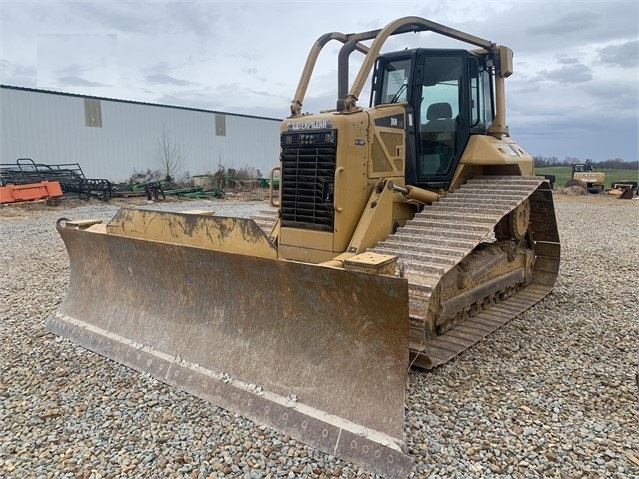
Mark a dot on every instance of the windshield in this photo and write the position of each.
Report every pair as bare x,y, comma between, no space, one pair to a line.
441,85
395,81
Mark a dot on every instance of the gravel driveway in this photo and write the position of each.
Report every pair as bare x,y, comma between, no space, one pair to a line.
551,394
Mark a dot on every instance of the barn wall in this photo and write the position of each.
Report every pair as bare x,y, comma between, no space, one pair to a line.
51,128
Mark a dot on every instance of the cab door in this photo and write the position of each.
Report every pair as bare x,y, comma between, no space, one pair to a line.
441,106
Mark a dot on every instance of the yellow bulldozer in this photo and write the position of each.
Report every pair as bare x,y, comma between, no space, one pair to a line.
402,233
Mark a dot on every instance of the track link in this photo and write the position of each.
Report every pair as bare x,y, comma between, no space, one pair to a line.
266,219
439,237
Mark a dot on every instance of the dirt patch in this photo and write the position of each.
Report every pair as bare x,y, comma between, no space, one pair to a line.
26,209
574,191
600,198
29,209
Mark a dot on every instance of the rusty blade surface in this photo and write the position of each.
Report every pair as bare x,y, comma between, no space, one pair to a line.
318,353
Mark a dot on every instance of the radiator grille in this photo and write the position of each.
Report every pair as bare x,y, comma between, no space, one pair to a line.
308,174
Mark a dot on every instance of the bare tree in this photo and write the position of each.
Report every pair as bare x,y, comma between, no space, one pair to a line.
169,153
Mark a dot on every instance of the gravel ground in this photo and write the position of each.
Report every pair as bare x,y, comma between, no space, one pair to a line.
551,394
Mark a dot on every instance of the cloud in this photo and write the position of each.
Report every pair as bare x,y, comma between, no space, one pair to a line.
248,56
566,25
71,80
564,60
77,59
162,79
265,93
625,55
117,16
615,99
572,73
72,69
18,74
200,18
161,67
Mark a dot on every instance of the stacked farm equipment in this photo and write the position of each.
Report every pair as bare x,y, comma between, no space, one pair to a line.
27,180
624,190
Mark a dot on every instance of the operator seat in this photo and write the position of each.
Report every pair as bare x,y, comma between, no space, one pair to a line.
437,140
440,117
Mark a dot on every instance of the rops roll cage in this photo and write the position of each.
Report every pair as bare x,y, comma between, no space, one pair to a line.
347,100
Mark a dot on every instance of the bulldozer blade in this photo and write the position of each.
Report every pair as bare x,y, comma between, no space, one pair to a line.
626,194
317,353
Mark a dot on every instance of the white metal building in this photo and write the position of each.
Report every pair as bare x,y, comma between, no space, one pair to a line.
112,139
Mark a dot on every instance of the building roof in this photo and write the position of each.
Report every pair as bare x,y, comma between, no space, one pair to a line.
76,95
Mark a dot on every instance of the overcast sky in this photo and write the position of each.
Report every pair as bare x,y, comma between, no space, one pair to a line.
574,91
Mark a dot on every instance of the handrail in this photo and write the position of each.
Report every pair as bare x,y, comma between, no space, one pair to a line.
337,208
270,187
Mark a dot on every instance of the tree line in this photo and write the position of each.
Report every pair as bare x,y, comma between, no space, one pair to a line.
617,163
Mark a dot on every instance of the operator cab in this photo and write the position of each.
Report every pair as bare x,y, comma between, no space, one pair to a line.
582,167
449,97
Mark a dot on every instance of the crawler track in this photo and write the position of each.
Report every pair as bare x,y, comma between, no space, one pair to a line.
439,237
266,219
